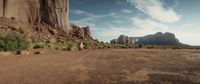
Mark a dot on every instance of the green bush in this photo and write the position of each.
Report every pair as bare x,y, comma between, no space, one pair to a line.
2,44
86,44
74,45
39,45
14,41
61,46
49,45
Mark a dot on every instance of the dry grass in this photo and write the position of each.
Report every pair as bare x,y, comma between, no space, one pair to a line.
114,66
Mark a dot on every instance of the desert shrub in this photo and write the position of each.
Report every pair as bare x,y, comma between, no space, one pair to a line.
49,45
119,46
96,40
150,47
140,46
74,45
61,46
14,42
124,47
86,44
2,44
39,45
176,47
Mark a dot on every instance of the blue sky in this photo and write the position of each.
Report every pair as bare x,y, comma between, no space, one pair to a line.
110,18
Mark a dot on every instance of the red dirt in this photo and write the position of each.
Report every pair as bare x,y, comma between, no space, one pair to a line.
114,66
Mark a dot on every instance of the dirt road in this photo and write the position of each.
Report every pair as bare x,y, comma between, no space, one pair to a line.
114,66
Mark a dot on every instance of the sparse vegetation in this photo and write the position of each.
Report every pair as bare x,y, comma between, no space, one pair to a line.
139,46
87,44
49,45
150,47
74,45
14,42
38,45
61,46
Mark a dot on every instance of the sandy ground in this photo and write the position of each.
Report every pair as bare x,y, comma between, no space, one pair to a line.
114,66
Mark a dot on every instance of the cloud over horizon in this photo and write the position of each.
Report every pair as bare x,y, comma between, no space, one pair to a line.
156,10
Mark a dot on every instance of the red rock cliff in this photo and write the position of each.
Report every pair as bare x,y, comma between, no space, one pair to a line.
52,12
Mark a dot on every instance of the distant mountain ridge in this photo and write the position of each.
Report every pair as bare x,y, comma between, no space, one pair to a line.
155,39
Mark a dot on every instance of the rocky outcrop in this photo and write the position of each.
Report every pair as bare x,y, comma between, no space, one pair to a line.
122,39
81,33
155,39
52,12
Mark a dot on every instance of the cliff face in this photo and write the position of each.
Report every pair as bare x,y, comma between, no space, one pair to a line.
52,12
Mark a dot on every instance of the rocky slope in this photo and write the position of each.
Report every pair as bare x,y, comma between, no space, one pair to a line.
40,20
43,32
52,12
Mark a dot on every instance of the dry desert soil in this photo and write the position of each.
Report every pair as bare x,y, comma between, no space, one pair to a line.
109,66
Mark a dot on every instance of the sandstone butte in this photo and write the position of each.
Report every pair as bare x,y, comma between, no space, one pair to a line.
52,12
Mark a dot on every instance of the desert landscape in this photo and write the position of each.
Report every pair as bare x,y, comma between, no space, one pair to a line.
99,42
107,66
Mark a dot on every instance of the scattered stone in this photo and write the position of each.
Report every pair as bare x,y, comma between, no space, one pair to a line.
39,52
73,49
18,52
5,53
25,52
81,46
22,52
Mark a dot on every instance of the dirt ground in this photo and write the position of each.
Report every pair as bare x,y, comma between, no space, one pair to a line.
109,66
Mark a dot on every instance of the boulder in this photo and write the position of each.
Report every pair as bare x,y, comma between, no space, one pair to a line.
23,52
73,49
81,46
39,52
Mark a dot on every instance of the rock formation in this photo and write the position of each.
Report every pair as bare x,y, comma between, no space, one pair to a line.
80,33
122,39
155,39
40,20
52,12
159,39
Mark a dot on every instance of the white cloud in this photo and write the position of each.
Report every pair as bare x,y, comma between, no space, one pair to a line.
156,10
149,24
91,18
186,26
81,13
126,11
